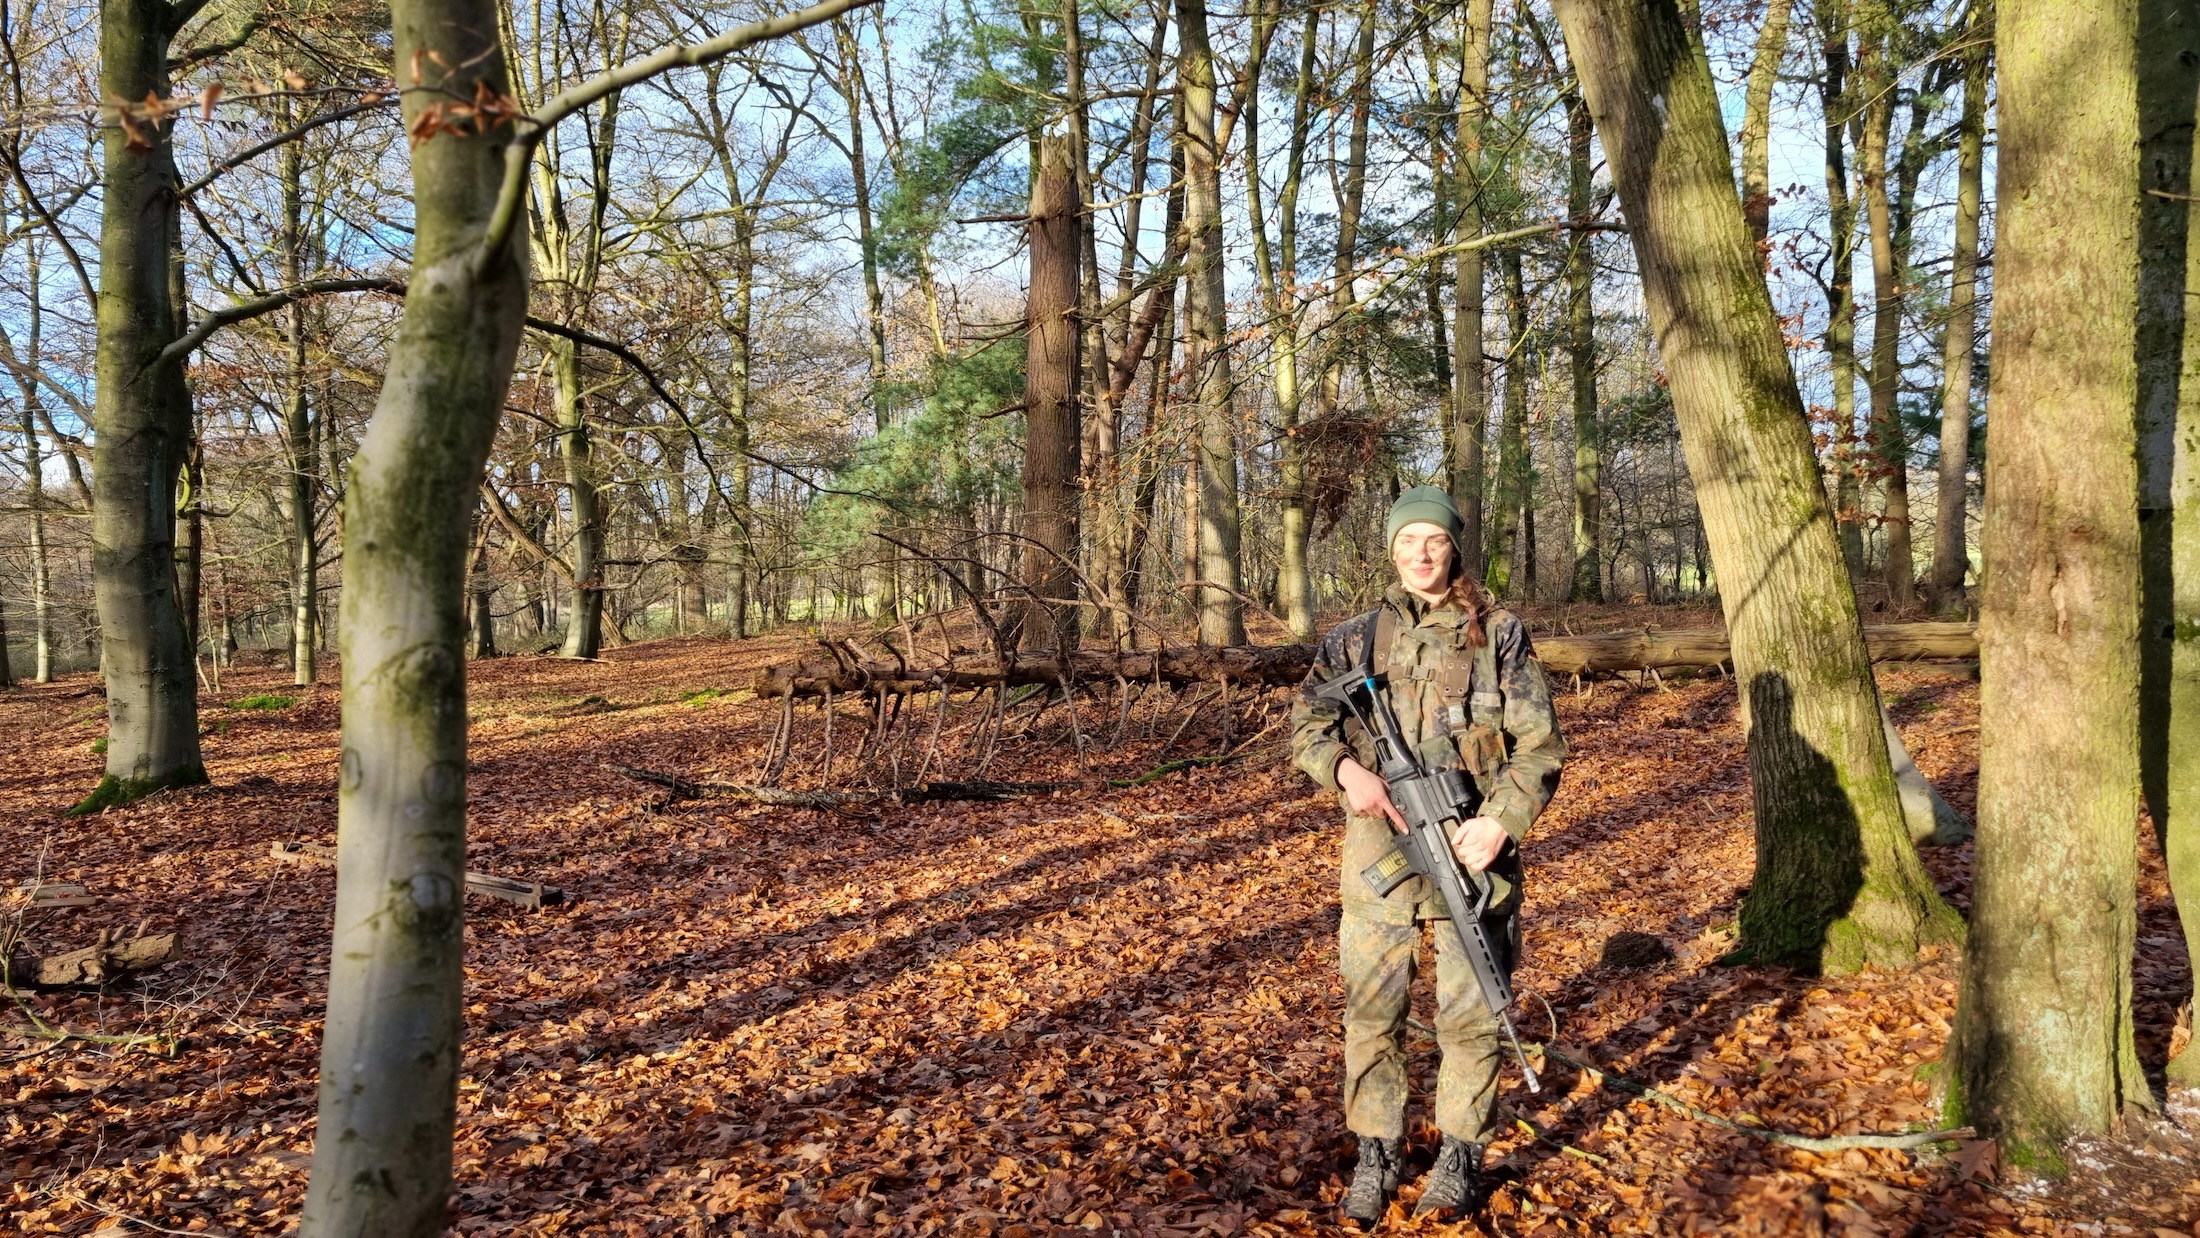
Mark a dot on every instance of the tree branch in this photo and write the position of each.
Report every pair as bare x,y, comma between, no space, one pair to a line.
257,149
187,343
512,196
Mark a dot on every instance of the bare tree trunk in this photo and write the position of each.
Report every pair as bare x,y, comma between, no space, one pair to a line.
1951,555
34,476
1470,396
1833,22
390,1052
1051,431
2169,462
740,316
143,431
1587,584
2043,1046
1278,271
1221,613
1764,73
1838,883
305,549
584,618
1890,444
1512,434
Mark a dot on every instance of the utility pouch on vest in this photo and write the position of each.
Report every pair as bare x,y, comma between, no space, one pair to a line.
1388,873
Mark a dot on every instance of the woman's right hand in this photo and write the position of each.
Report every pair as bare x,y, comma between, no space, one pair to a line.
1367,794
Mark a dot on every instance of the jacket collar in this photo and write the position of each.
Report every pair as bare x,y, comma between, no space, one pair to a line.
1417,612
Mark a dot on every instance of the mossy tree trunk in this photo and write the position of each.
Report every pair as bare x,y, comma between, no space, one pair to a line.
390,1052
141,419
1951,541
1587,582
2169,460
1052,433
1221,610
2042,1047
1838,882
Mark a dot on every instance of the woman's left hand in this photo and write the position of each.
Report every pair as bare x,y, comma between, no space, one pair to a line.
1478,841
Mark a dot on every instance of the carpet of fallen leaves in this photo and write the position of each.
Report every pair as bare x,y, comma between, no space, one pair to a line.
1102,1011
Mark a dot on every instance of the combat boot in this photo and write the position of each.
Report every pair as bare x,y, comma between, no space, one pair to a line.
1374,1181
1454,1184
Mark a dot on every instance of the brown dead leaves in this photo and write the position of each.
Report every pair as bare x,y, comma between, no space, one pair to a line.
1088,1013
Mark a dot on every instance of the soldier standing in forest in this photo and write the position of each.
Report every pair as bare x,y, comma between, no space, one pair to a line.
1469,694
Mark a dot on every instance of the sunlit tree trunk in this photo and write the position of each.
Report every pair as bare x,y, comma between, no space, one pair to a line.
142,426
1512,433
1221,612
1951,543
34,477
1838,884
2043,1045
1833,92
1587,584
1890,445
390,1051
2169,460
298,439
1277,271
1051,380
1756,136
1470,396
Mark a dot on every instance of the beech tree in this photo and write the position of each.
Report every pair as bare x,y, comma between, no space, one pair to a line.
1838,883
2043,1047
390,1052
143,420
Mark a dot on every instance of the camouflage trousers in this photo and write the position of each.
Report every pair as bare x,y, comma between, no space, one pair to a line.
1378,960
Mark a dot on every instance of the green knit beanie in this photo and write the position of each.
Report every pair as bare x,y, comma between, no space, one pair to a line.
1423,504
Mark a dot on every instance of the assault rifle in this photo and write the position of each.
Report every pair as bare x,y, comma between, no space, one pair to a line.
1433,803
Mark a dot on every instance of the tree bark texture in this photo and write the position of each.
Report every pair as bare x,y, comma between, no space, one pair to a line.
142,429
1470,395
2042,1047
1889,443
1834,93
2169,460
1756,136
1838,883
1951,540
390,1052
34,479
1221,612
1052,433
305,546
1587,583
1512,433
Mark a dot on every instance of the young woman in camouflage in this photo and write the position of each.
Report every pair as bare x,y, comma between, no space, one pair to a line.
1469,694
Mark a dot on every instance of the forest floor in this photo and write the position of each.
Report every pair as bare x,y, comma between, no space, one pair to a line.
1095,1011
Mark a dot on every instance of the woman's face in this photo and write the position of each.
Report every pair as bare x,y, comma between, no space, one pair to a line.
1422,553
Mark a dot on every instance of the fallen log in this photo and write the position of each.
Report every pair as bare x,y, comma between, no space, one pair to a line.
56,894
922,793
510,889
105,960
1275,666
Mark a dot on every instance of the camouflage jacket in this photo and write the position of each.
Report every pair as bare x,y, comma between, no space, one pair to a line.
1489,714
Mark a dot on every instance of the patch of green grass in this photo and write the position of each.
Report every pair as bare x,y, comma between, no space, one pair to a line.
704,696
99,746
264,700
